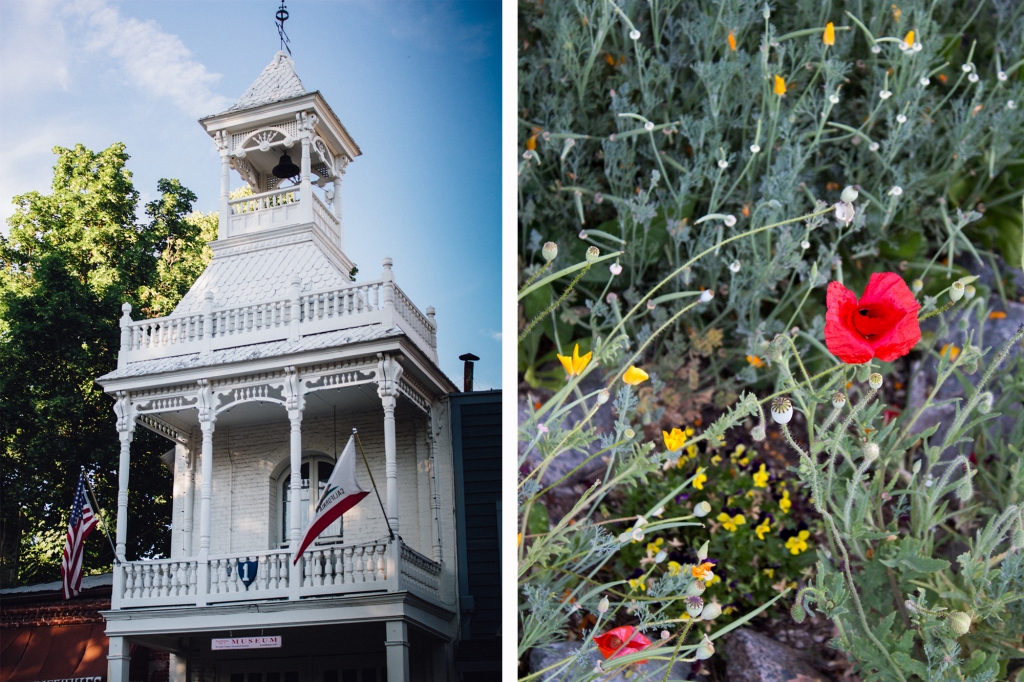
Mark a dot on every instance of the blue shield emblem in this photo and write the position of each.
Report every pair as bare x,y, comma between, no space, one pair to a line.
247,571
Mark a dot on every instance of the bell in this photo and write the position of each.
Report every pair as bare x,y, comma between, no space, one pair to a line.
285,168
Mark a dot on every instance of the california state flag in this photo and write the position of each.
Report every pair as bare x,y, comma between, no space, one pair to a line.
341,494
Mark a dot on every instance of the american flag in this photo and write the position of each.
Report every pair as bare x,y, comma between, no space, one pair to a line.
82,523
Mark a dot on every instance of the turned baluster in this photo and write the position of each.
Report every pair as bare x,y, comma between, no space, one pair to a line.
338,576
307,569
262,576
349,571
318,567
382,565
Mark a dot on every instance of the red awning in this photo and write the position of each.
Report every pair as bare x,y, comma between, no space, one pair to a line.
53,653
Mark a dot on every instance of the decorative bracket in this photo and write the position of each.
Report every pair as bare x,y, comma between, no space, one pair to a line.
389,372
294,391
205,404
126,412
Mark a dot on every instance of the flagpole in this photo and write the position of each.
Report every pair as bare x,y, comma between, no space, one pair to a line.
372,482
96,501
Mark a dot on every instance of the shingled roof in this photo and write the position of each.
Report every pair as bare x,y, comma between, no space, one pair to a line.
277,82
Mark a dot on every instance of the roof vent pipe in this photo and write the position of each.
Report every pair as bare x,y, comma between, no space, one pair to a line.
467,373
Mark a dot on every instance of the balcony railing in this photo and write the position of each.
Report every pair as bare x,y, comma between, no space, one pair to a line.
278,208
255,576
291,318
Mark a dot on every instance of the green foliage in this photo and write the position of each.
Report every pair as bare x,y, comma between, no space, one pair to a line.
71,258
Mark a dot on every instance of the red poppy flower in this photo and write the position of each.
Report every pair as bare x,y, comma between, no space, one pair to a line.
882,324
611,643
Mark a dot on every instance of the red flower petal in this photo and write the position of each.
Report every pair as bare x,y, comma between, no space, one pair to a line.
882,324
841,336
610,644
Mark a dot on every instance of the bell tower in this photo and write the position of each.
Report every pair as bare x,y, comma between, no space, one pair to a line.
273,125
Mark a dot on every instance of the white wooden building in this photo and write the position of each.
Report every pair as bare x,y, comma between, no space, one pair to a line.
258,378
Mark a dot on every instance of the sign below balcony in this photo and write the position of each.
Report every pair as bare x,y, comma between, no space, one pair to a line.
229,643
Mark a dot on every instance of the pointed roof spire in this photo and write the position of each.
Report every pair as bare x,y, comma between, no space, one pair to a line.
277,82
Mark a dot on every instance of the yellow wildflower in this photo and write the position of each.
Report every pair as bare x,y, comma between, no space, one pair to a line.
744,461
761,478
531,142
634,375
954,352
830,34
909,40
655,547
713,580
675,440
762,528
896,13
702,571
640,582
700,480
716,459
731,523
798,543
691,451
576,364
728,609
732,41
674,567
780,86
770,572
785,503
755,361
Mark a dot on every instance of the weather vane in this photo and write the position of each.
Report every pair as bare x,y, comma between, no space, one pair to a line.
282,16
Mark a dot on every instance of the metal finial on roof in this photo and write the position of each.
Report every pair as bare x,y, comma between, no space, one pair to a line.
282,16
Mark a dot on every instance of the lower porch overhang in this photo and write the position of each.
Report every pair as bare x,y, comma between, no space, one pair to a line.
162,627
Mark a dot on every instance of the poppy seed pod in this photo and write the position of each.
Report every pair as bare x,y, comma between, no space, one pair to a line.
593,253
696,588
694,605
706,295
602,606
871,452
706,649
838,399
959,622
849,194
701,509
549,251
969,291
711,611
956,291
602,396
782,410
875,380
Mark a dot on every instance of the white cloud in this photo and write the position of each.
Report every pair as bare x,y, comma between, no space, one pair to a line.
436,27
156,62
54,38
28,164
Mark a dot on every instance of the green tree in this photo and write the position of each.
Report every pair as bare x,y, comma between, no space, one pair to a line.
71,258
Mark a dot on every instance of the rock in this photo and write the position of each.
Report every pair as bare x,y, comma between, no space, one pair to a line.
559,651
753,657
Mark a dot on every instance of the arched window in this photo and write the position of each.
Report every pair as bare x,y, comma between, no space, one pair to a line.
316,470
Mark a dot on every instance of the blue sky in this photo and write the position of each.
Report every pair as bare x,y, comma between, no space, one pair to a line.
416,83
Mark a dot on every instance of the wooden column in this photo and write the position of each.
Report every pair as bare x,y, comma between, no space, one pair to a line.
397,645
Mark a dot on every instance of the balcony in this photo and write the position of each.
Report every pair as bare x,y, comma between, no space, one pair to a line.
300,314
331,570
279,208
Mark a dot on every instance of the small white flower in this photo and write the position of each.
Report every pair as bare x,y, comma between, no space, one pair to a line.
664,634
896,191
885,94
905,47
543,428
925,81
755,148
1010,104
612,297
706,295
723,164
873,146
1001,75
528,154
729,220
876,49
634,34
649,126
929,482
615,268
834,99
900,118
598,669
584,234
651,305
735,266
805,245
918,47
844,212
637,534
974,78
659,511
966,68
